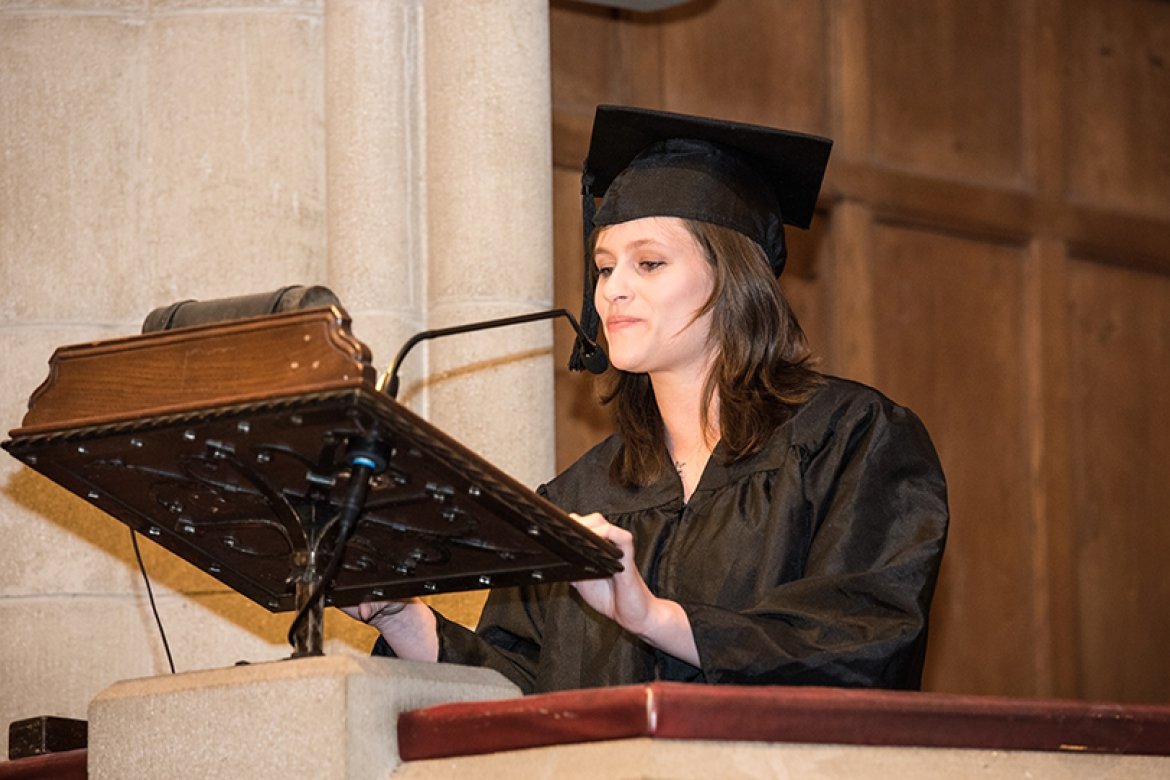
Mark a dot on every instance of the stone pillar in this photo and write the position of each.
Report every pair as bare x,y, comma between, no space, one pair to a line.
438,137
151,152
375,168
396,151
438,131
489,227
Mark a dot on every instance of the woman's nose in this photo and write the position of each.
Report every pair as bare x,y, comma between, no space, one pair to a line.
614,287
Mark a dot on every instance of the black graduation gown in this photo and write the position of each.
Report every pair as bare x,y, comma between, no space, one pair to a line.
812,562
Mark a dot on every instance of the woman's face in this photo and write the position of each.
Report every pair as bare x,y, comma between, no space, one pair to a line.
652,280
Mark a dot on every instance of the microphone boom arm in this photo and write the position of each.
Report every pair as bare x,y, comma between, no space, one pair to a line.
388,381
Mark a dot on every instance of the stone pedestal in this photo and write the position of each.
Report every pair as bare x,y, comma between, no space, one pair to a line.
324,717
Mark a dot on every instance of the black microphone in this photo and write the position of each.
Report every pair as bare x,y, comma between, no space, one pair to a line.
591,354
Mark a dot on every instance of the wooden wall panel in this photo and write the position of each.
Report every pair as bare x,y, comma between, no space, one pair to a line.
581,420
586,62
948,325
945,86
751,60
677,60
598,55
980,146
1117,95
1119,427
803,281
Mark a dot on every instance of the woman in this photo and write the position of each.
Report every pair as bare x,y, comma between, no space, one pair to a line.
777,526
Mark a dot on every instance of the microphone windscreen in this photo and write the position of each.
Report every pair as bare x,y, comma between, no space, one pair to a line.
594,359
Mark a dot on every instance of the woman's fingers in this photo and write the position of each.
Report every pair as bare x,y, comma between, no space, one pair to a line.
597,523
594,521
368,610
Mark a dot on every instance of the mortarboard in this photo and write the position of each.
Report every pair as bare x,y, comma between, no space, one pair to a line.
749,178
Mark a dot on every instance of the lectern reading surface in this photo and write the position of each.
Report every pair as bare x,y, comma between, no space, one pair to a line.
231,445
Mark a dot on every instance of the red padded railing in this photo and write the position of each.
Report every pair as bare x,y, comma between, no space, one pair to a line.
783,714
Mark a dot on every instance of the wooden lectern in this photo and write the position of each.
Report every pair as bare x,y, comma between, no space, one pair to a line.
251,448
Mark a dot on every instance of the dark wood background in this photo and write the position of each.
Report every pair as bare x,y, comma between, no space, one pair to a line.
992,249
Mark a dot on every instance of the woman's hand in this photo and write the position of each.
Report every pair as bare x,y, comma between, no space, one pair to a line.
369,611
407,626
625,598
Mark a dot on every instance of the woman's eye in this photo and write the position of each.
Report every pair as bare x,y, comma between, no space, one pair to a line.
606,271
650,265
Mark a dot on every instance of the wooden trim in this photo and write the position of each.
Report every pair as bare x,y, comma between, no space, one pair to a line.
850,106
1015,215
1045,358
69,765
782,714
1002,214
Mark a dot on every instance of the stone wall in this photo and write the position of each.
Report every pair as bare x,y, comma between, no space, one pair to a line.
159,150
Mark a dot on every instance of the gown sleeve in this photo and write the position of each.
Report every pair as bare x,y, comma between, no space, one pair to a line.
873,499
508,638
513,651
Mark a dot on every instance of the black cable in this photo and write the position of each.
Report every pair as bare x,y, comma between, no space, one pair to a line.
150,594
351,507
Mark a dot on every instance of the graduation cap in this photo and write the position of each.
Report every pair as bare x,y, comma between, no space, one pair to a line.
749,178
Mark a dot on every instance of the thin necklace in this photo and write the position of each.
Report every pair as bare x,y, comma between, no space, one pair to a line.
679,465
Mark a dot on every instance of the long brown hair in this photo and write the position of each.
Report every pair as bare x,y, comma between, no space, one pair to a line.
761,370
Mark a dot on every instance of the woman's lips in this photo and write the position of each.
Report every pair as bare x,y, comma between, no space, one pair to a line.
617,323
